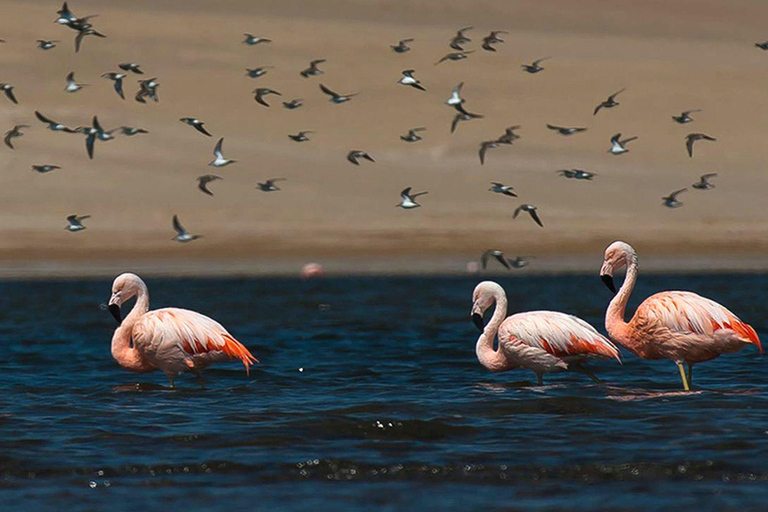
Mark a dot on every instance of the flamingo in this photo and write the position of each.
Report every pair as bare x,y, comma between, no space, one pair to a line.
542,341
171,340
681,326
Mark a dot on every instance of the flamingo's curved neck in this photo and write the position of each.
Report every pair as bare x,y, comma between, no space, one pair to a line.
614,316
493,360
122,350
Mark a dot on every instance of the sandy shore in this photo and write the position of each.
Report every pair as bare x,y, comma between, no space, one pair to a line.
670,57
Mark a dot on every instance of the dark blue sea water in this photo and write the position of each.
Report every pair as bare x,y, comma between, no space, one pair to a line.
391,411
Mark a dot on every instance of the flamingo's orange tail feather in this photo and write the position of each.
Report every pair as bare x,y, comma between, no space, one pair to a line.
749,333
237,350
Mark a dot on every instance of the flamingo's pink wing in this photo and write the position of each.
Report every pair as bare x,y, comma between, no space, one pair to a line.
195,334
559,334
687,312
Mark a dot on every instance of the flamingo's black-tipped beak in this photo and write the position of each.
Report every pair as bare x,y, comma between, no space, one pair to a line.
477,319
115,310
608,282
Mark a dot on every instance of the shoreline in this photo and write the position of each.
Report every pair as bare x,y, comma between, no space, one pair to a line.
453,266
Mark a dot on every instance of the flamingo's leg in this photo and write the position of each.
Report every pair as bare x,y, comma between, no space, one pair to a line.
591,375
540,380
586,370
200,380
690,374
170,379
686,386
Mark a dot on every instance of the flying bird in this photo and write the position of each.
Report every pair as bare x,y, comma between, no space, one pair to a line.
130,131
336,97
269,185
518,262
409,79
196,124
541,341
204,180
132,67
454,56
76,222
72,85
182,235
485,146
500,188
171,340
534,67
455,98
93,133
293,104
509,264
460,39
101,133
118,79
682,326
703,183
301,136
14,133
531,210
617,145
87,31
312,70
8,90
671,201
42,169
685,117
408,200
509,135
45,44
577,174
491,39
147,89
257,72
67,17
413,135
353,156
261,93
252,40
565,130
463,115
402,46
220,161
691,138
53,125
497,255
610,102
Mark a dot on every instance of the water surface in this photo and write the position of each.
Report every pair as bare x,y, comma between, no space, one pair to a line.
369,397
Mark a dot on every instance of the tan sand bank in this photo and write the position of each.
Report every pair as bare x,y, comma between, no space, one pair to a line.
670,56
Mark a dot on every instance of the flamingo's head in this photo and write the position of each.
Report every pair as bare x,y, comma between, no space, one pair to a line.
125,287
617,256
483,298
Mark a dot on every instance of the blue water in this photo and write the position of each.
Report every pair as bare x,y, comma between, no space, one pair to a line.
391,411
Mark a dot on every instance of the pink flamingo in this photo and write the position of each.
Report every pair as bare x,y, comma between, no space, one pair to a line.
170,339
542,341
681,326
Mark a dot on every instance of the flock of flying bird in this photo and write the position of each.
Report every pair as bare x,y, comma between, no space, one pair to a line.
681,326
148,90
